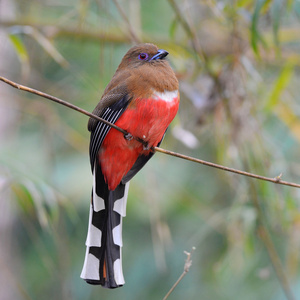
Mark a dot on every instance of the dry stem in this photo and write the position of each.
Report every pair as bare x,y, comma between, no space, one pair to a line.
276,180
187,265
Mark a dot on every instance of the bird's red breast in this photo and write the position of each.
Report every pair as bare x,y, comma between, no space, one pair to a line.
146,118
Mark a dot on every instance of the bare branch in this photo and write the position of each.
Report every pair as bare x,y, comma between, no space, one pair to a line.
187,265
60,101
133,35
232,170
276,180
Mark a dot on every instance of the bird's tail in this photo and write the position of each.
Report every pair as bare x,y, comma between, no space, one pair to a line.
103,259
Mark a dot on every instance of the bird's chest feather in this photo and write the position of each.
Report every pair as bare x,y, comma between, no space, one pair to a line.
147,119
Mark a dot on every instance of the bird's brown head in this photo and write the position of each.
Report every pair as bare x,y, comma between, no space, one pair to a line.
142,70
143,54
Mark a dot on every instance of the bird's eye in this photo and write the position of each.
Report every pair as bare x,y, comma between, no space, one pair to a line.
143,56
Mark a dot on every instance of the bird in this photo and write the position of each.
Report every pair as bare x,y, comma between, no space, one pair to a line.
142,98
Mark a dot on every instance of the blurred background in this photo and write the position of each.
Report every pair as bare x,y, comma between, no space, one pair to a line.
238,65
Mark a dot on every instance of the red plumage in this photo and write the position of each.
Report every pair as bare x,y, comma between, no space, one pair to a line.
142,98
148,119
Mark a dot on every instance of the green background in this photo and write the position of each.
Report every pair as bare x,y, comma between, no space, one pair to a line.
238,67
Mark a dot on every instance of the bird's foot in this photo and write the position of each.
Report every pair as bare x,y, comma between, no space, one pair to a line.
128,136
146,147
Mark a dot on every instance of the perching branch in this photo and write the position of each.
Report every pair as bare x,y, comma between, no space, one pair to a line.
277,179
187,265
60,101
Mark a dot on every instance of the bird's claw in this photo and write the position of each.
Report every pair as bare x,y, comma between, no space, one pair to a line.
128,136
146,147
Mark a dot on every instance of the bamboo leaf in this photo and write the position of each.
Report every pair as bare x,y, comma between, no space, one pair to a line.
255,35
49,47
19,48
23,197
173,28
276,17
281,84
244,3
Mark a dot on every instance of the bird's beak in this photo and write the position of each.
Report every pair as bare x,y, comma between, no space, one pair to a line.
160,54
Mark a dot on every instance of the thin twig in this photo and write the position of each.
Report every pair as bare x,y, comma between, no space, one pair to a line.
210,164
189,30
60,101
196,45
133,34
276,180
187,265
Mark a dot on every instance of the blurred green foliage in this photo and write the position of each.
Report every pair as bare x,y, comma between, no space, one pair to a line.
238,66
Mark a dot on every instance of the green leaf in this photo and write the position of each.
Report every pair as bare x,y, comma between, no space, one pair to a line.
276,17
20,48
173,28
243,3
261,5
23,197
49,47
281,83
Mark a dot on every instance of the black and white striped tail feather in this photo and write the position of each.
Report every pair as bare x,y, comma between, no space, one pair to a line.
104,239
